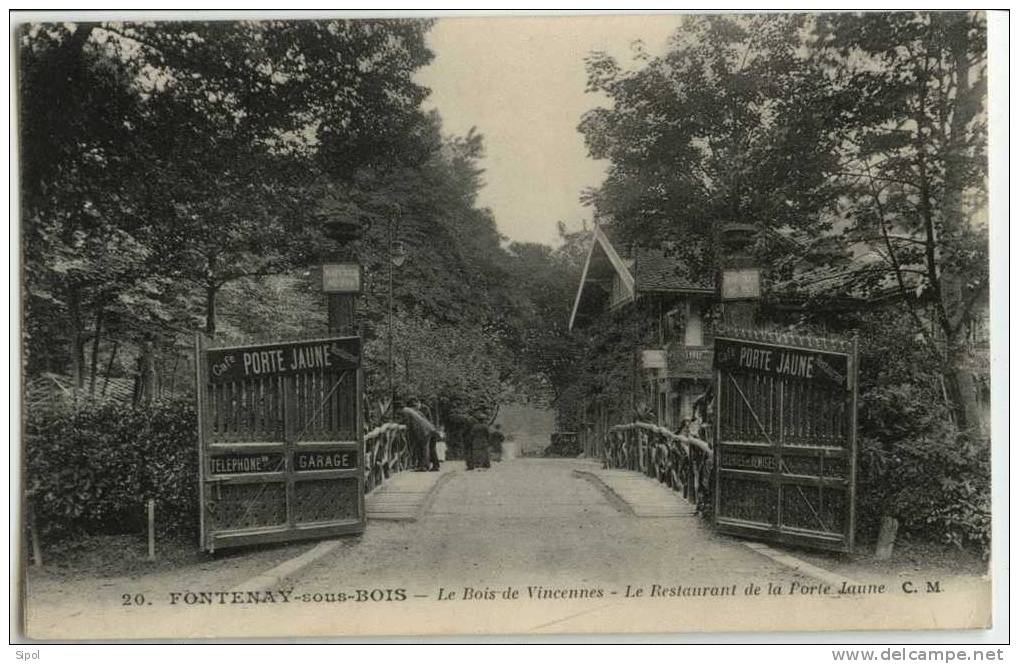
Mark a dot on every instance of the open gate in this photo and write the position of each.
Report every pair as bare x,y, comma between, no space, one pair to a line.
280,441
786,438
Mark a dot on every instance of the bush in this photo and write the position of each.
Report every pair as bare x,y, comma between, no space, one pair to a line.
92,469
914,464
937,486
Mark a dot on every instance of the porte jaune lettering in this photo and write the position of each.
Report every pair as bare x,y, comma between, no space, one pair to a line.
227,365
828,368
262,362
797,365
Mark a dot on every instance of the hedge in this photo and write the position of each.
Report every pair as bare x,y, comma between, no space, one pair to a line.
92,469
937,485
913,463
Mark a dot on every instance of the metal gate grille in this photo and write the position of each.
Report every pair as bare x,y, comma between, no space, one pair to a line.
280,443
786,421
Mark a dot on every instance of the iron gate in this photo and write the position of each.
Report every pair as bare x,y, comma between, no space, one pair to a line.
786,438
280,445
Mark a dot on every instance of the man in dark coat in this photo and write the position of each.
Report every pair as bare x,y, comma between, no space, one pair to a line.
476,446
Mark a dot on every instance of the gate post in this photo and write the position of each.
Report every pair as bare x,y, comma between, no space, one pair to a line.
201,380
342,283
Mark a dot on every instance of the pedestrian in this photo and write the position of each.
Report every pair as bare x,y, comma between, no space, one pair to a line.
477,446
433,454
702,409
458,436
496,438
422,436
696,425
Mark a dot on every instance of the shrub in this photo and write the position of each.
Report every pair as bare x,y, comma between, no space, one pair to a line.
937,486
92,469
914,464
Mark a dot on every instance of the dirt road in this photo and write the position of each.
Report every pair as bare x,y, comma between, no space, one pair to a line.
526,547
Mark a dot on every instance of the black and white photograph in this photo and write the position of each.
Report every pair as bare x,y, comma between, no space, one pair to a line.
459,325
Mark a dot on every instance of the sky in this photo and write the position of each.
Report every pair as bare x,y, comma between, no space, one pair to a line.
521,82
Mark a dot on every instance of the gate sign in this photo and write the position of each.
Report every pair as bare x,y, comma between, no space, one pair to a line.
226,464
785,432
228,365
823,368
280,446
341,278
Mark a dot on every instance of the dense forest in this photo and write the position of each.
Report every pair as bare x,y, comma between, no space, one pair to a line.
183,177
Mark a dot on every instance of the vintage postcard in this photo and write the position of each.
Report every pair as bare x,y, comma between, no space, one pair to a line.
374,326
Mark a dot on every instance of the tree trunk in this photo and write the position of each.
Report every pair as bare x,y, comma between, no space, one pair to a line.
109,367
210,310
955,294
963,388
77,338
95,352
145,380
173,373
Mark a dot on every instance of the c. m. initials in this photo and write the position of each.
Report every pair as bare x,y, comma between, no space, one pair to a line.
911,588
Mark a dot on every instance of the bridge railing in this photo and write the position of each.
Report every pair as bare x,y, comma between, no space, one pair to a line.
681,462
386,451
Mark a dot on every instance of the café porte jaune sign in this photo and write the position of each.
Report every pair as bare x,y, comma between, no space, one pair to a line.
233,364
816,366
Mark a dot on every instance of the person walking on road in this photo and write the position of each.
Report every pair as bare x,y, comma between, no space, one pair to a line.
476,446
495,440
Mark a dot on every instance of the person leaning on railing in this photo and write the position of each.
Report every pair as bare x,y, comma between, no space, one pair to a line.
423,437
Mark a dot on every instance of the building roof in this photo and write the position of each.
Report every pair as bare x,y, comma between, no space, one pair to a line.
867,277
657,271
640,270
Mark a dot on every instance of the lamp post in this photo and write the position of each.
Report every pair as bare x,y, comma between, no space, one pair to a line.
397,255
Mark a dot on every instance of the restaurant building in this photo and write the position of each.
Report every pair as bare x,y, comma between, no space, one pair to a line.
671,310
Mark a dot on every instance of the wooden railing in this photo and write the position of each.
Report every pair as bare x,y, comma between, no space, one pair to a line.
682,462
386,451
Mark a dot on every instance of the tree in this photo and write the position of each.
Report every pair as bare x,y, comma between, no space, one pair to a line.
263,111
86,197
915,164
731,125
204,167
157,153
546,279
844,132
455,276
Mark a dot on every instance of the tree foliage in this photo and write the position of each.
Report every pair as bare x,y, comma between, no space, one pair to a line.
838,136
183,176
914,155
730,125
